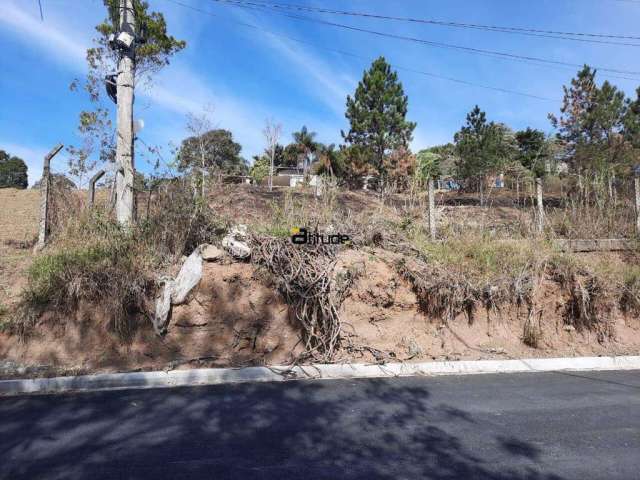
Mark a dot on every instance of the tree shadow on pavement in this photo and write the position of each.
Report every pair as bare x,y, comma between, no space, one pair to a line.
365,429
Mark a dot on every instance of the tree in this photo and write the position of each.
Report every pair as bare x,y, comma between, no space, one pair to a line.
448,158
356,161
572,124
533,150
272,132
331,161
631,125
591,124
260,168
306,146
377,114
483,148
399,167
13,172
209,151
427,165
290,156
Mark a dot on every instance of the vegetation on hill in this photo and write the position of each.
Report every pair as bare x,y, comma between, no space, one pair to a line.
13,171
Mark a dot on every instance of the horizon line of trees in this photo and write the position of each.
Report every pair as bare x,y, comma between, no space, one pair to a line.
597,135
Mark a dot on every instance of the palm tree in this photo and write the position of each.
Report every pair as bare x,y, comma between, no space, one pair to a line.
328,159
305,140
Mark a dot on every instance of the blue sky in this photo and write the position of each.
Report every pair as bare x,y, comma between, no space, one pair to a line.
248,75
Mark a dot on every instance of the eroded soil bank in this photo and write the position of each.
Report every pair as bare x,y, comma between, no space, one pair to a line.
237,317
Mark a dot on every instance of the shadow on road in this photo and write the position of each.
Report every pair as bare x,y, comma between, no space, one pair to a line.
377,429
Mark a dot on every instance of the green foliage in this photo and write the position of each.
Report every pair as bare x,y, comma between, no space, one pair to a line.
377,114
306,146
631,121
428,165
260,169
158,46
330,161
356,161
598,125
483,147
96,125
13,171
482,259
215,150
533,150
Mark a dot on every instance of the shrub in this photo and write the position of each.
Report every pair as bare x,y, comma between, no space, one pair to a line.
107,272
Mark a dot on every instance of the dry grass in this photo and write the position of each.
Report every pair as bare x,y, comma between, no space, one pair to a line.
90,258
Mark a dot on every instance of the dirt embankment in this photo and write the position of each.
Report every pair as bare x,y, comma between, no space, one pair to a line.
236,317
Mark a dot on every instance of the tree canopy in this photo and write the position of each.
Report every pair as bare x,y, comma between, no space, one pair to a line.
13,171
597,125
377,114
483,147
533,150
154,48
427,165
213,150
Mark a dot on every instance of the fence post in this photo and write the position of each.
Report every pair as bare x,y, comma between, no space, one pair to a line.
540,205
92,187
636,183
45,184
432,209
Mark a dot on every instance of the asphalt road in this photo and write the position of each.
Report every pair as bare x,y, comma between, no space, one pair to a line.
519,426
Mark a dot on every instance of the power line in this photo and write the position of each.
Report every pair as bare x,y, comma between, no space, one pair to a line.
561,35
362,57
244,4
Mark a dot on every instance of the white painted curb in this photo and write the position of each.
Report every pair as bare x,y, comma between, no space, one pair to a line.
216,376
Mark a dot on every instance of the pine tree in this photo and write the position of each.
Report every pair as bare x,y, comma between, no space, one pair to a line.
377,114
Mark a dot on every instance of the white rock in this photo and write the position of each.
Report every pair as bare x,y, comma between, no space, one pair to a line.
211,253
175,291
237,248
235,243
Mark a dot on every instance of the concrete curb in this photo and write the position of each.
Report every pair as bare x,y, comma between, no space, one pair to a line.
217,376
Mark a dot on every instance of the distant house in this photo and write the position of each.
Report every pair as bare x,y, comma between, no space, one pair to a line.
292,177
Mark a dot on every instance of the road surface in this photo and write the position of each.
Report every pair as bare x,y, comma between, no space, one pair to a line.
517,426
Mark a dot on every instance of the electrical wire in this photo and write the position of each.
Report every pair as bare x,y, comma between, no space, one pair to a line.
561,35
362,57
472,50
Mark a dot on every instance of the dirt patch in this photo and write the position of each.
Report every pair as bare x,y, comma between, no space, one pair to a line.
234,318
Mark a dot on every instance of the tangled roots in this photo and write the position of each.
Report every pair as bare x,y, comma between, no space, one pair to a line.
304,275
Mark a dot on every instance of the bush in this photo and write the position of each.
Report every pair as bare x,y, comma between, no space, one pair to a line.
108,272
95,260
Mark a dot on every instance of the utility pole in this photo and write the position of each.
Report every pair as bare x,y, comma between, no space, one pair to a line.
432,209
125,43
540,223
636,185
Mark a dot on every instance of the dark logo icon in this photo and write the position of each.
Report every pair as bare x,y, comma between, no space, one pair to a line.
301,236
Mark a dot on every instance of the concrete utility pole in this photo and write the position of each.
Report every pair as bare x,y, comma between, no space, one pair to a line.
432,209
45,184
540,205
91,195
636,185
125,97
